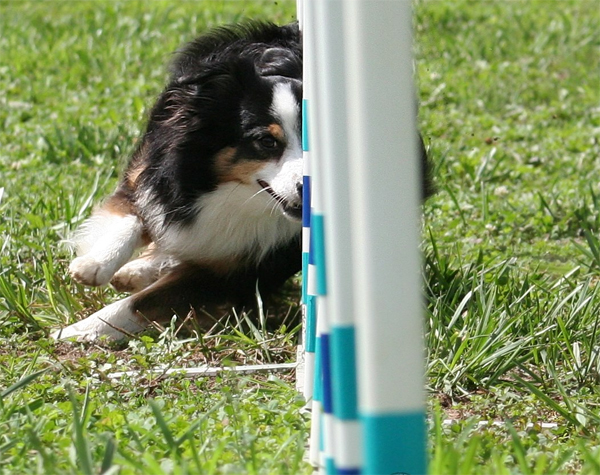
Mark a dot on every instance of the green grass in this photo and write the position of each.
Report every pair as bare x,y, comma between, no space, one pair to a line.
510,95
510,108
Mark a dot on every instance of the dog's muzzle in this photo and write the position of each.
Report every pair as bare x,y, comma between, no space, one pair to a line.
292,210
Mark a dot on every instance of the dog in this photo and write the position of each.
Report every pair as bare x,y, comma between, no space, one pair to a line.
213,191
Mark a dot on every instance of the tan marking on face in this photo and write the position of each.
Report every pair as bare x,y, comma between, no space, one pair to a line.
242,171
276,131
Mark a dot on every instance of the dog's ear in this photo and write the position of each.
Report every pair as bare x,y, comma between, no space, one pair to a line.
280,62
189,100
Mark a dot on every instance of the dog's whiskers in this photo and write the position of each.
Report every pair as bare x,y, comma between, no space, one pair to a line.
262,190
274,203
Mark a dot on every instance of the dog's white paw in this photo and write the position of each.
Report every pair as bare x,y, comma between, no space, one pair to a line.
135,276
88,271
84,334
115,322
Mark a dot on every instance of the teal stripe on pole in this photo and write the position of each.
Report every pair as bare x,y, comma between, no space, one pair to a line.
310,344
305,140
317,230
304,273
406,451
344,372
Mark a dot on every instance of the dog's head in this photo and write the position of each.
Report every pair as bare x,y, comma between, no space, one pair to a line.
266,155
230,115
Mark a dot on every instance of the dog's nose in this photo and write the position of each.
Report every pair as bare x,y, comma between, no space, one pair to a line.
299,189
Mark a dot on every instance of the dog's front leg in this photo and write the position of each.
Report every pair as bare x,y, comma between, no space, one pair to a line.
142,272
113,239
184,287
115,321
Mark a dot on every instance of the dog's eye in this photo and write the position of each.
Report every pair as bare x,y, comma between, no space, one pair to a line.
268,142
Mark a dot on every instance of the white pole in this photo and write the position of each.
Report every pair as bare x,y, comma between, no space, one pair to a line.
317,235
315,323
385,211
333,157
300,13
308,304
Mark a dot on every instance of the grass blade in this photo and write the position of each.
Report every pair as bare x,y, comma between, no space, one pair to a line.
164,427
109,453
82,449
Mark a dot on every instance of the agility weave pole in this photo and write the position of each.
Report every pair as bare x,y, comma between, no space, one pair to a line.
367,398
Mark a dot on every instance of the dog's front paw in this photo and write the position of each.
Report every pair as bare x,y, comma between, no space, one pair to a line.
114,322
88,271
75,332
135,276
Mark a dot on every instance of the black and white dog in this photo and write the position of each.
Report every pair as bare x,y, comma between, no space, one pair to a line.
213,190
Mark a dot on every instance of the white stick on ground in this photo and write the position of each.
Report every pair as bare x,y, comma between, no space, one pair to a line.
208,370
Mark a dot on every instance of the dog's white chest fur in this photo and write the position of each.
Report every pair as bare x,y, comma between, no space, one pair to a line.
234,220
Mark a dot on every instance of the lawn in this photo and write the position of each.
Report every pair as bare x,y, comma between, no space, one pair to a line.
510,110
